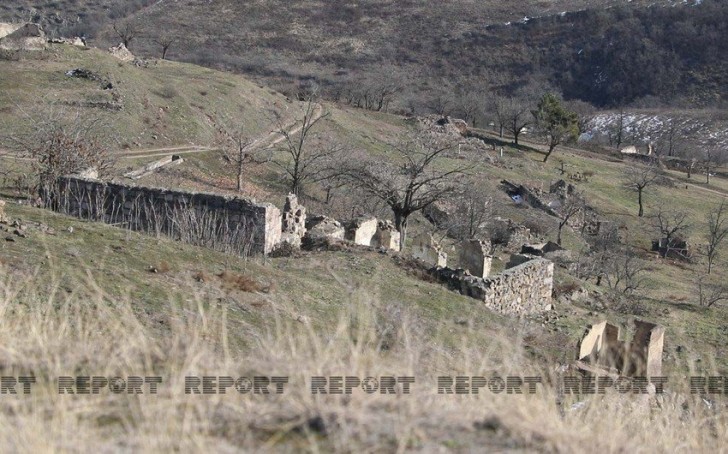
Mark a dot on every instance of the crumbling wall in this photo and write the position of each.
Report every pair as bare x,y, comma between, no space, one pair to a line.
475,257
386,236
601,351
221,222
524,289
361,231
293,221
426,249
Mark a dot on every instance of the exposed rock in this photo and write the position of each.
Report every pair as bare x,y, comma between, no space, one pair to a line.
91,173
75,41
82,73
676,248
6,28
25,37
2,211
121,52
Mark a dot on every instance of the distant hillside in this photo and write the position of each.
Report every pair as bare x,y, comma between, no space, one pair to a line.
441,53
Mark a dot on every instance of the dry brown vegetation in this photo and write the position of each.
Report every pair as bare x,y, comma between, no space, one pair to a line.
85,332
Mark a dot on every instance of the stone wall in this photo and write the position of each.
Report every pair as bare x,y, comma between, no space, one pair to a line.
524,289
221,222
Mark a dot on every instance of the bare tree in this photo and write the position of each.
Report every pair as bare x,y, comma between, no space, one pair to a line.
467,214
236,149
60,143
711,291
672,227
304,156
637,178
573,205
625,272
617,131
712,158
513,114
717,232
414,182
127,32
165,41
603,248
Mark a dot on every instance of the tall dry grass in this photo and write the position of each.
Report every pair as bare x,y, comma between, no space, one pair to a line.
66,326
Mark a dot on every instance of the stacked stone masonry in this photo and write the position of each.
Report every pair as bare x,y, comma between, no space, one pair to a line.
522,290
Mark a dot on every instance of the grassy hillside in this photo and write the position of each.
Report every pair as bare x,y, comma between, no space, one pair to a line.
447,51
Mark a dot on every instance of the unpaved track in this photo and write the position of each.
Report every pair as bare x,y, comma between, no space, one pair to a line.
268,141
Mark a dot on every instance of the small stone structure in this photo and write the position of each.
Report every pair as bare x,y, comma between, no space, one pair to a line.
475,257
676,248
209,220
361,231
525,289
293,221
324,228
601,351
425,248
386,236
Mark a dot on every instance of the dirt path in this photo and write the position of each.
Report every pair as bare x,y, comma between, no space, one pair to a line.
272,138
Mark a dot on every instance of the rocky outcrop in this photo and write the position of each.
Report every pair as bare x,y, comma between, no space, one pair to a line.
121,52
24,37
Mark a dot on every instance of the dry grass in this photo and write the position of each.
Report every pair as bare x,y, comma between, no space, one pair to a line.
83,332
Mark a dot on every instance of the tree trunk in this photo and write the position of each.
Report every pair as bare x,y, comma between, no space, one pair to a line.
551,149
400,223
639,200
707,174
